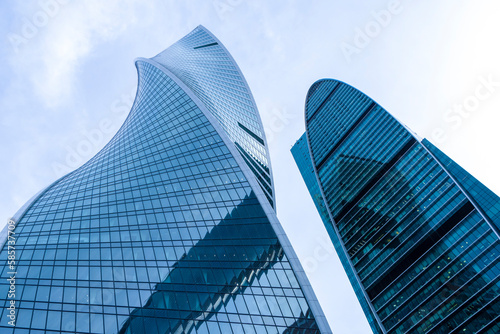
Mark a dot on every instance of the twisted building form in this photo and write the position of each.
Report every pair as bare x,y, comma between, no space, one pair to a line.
417,235
171,227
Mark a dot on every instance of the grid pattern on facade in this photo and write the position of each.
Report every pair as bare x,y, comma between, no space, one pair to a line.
486,199
211,73
300,152
159,232
426,257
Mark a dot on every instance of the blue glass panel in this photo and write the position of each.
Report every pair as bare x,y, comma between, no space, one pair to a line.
418,235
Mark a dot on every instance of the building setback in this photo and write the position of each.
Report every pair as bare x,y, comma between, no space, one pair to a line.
171,227
417,235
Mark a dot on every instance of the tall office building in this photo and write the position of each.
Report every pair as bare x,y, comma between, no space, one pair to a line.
417,235
171,227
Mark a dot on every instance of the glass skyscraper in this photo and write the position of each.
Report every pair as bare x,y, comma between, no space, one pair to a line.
171,227
417,235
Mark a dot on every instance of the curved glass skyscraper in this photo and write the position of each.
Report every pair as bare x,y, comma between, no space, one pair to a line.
417,235
171,227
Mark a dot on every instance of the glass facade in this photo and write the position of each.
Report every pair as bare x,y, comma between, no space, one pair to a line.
166,230
418,234
300,152
205,66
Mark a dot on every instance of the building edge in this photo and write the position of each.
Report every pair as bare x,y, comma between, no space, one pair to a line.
425,144
254,105
373,319
266,206
20,213
427,147
23,209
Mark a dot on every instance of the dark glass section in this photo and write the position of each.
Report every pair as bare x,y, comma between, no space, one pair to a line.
206,45
428,309
259,173
210,278
328,89
345,135
418,250
257,138
329,126
386,167
416,230
360,157
486,199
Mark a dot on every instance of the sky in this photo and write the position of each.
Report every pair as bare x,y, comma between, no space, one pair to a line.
68,81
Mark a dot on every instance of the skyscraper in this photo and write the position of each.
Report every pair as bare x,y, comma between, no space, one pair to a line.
171,227
417,235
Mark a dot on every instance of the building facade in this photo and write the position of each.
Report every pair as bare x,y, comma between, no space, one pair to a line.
417,235
171,227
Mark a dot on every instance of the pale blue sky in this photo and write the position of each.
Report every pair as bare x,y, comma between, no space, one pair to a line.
67,69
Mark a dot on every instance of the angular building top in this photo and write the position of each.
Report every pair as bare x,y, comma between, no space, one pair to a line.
201,62
169,228
417,235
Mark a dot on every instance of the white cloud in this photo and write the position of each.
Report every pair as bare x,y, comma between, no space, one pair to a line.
53,53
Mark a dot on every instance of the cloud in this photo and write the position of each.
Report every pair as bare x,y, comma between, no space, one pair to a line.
54,49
